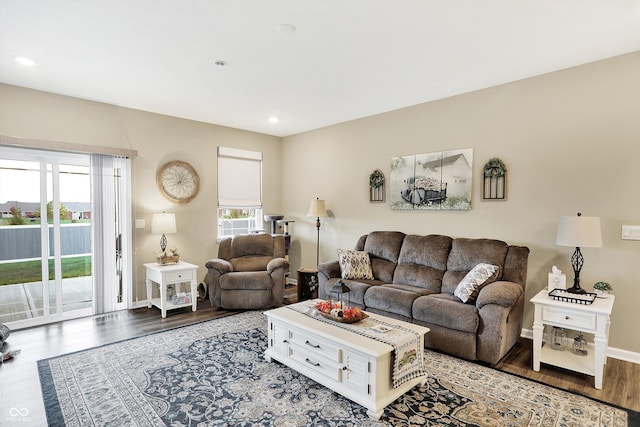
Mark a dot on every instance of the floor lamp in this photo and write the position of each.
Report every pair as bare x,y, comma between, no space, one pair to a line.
317,209
579,231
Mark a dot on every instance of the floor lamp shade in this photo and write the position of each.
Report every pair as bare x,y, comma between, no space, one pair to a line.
578,231
163,223
317,209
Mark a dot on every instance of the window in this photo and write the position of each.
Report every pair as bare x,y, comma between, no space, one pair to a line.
239,191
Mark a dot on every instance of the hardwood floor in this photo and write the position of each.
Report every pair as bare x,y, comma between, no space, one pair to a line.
621,382
21,400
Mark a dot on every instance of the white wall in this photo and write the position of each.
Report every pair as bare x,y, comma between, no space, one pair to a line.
570,141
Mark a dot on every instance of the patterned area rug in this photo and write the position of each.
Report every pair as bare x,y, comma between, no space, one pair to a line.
214,374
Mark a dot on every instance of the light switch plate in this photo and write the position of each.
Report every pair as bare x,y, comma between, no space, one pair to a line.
631,232
140,223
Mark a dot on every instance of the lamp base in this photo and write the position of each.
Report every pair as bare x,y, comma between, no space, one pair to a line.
576,290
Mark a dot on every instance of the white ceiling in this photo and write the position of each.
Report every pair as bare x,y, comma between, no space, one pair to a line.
347,58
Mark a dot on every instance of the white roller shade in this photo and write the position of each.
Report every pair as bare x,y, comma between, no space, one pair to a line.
239,178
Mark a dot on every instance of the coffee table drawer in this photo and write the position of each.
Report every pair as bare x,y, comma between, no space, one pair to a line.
315,362
316,346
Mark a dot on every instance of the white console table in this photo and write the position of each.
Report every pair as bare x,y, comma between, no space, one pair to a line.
591,318
170,274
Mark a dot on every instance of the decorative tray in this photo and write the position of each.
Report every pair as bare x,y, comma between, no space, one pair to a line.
344,319
563,295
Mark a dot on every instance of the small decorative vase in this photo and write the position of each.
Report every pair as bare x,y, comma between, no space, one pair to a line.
601,293
558,338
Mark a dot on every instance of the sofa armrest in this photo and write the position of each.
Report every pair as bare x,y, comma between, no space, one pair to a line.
276,263
223,266
502,293
329,269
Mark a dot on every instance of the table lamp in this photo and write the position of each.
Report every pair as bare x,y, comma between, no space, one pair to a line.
163,223
578,231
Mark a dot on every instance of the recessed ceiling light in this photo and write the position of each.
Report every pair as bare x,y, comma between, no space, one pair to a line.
23,60
286,29
273,119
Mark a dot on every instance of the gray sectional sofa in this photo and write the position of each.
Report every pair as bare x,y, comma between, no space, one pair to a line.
414,278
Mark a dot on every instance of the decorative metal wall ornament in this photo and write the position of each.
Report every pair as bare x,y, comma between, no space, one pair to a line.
376,186
495,177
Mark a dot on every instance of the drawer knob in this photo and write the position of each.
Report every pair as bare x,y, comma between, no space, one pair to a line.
567,317
312,363
312,345
285,341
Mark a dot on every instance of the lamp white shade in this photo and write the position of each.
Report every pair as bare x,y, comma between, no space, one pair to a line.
163,223
317,209
579,232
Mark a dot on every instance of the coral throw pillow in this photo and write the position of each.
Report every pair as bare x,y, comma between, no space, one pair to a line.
355,264
480,275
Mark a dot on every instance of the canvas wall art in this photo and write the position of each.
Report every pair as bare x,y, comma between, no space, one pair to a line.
432,181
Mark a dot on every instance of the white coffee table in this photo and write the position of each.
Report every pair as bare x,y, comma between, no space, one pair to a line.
357,367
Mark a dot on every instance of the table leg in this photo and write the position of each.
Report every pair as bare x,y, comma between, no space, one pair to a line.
149,290
538,330
600,341
163,299
194,296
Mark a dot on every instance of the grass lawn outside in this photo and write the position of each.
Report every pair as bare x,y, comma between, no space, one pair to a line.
31,271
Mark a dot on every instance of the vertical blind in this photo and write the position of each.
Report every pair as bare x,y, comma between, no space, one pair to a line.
111,218
239,178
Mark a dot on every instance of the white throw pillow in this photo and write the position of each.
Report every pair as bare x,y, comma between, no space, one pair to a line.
480,275
355,264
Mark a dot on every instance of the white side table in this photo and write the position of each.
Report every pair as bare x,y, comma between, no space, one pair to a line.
170,274
592,318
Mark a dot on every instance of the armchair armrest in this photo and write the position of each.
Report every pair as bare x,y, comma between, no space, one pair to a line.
223,266
501,293
276,263
329,269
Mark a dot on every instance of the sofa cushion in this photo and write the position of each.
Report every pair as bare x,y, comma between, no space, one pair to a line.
250,263
383,248
354,264
466,254
396,299
251,245
255,280
480,275
357,289
422,261
446,310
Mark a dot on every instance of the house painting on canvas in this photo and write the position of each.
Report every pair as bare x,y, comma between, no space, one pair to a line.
432,181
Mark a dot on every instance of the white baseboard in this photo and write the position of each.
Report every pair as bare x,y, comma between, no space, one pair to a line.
139,304
615,353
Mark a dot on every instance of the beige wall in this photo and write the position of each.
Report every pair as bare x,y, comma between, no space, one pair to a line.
570,141
157,139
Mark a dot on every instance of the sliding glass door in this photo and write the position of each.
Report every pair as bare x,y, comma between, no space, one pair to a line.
53,240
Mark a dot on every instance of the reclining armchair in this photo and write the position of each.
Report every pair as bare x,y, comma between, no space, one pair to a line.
249,272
